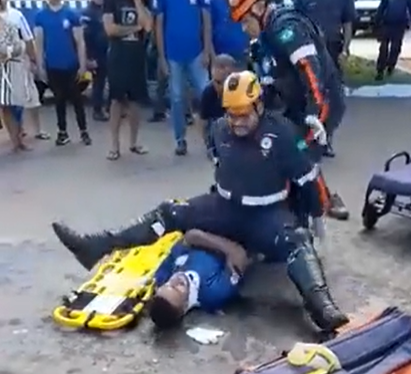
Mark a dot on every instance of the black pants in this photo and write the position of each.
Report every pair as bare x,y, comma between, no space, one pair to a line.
334,49
126,68
99,84
390,38
64,85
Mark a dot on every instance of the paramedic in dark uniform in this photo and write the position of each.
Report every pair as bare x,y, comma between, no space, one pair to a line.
335,22
309,83
96,41
257,157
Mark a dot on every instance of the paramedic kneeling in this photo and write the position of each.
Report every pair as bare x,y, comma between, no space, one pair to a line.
257,158
203,271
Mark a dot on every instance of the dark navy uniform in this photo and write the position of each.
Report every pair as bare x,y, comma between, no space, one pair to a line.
265,66
331,20
252,180
96,47
391,19
305,73
249,207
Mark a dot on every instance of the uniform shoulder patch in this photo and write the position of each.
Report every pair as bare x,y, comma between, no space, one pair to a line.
286,35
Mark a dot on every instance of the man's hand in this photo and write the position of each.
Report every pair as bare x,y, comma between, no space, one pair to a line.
237,260
206,59
164,66
318,228
320,135
81,71
41,73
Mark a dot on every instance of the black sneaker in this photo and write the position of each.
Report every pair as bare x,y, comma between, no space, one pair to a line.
157,117
62,139
329,151
337,208
181,149
100,116
379,76
85,138
390,71
189,119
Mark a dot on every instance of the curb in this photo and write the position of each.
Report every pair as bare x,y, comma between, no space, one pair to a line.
389,90
383,91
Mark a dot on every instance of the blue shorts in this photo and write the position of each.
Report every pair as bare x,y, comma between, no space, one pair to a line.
17,112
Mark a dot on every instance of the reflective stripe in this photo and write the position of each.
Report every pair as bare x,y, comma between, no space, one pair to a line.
255,200
303,52
309,177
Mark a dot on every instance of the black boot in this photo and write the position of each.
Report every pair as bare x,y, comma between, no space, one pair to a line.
89,249
329,149
305,270
337,208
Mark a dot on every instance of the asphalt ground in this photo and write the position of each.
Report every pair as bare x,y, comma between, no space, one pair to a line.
79,185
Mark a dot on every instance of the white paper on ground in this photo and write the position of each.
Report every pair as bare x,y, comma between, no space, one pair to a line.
205,336
383,91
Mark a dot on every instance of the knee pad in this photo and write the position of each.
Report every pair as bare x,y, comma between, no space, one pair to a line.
299,240
168,212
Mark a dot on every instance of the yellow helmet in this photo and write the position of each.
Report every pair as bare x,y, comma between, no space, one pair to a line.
241,90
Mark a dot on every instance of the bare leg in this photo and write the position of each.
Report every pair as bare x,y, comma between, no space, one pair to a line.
32,116
14,130
134,122
116,110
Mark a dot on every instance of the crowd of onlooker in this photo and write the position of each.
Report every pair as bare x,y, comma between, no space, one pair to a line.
124,43
127,43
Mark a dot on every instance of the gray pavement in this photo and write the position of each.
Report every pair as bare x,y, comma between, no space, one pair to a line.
79,185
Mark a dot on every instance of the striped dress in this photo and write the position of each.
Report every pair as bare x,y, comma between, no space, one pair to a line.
13,74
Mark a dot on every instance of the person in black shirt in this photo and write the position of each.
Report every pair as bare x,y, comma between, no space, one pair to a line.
211,107
126,22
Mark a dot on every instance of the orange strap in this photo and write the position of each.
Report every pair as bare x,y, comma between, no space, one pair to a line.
318,97
324,193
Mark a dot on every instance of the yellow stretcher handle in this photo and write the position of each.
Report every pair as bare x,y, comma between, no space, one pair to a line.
317,357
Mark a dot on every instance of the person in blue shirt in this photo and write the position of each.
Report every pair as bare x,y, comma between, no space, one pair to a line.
184,47
62,63
203,271
96,49
392,19
228,36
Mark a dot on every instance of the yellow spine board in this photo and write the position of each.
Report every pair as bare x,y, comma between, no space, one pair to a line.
117,293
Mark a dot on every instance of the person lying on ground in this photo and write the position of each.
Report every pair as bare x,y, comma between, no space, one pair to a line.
203,271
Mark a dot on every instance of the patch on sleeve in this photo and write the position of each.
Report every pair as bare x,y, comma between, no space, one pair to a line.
287,35
180,261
